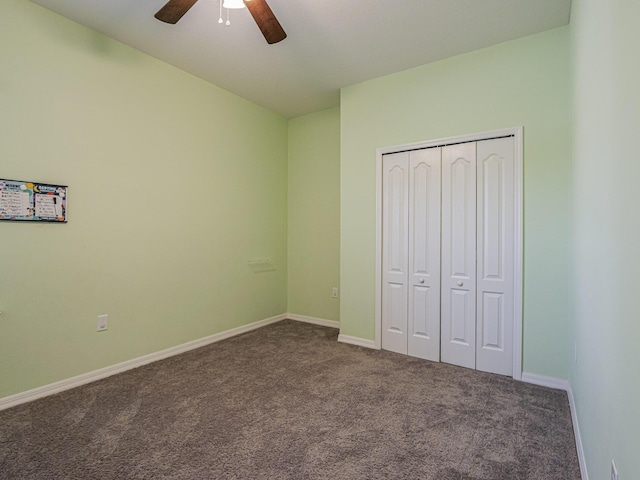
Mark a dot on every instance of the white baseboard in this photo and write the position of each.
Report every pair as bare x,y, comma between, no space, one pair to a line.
544,381
69,383
316,321
560,384
576,434
361,342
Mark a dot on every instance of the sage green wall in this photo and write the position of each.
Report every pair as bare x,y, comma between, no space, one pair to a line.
314,214
523,82
606,233
174,184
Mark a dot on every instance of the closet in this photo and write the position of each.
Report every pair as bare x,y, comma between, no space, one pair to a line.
448,238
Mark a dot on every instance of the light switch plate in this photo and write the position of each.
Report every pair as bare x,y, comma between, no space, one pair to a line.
103,322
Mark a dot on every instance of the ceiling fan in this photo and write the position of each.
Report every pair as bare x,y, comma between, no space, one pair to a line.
260,11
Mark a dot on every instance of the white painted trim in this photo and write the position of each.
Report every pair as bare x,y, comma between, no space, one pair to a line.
441,142
378,293
69,383
360,342
576,433
315,320
518,254
543,381
560,384
517,133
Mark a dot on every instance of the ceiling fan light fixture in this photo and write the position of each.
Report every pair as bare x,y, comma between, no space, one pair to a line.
233,4
267,22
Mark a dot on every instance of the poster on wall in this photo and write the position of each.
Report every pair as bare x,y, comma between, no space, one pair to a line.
32,201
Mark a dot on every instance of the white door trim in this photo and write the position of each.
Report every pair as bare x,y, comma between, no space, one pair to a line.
516,132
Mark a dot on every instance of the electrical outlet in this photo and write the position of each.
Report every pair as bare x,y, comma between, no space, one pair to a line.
614,471
103,322
334,292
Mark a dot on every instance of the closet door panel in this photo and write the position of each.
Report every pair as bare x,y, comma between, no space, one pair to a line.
395,240
496,216
458,342
424,254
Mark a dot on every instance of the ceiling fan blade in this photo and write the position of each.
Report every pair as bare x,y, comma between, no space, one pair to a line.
266,20
174,10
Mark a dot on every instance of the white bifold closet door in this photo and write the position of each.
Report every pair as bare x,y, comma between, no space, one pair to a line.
411,253
495,259
395,246
447,254
459,254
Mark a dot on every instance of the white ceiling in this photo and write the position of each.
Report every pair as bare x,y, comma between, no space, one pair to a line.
331,43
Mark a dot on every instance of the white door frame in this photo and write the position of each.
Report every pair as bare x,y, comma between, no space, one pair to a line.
515,132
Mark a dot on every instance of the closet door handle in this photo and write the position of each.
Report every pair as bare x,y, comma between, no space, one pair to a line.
460,283
422,280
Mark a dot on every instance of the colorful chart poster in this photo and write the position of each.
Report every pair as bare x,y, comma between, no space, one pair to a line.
31,201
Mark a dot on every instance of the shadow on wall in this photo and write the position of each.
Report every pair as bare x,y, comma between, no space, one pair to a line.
85,39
